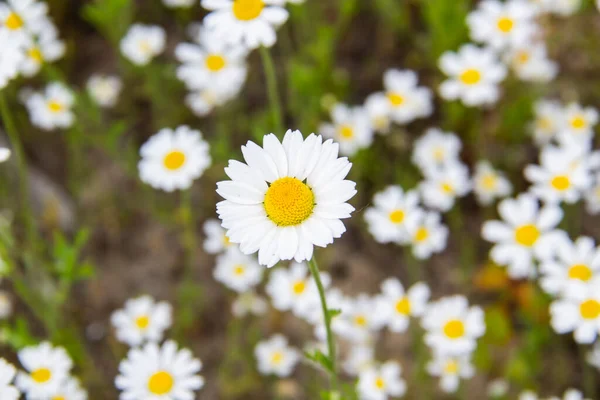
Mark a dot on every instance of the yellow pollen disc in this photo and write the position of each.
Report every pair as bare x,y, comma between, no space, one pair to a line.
561,183
226,240
439,154
174,160
397,216
403,306
59,398
580,272
142,322
239,270
505,24
379,383
380,123
360,320
346,132
451,367
395,99
527,235
41,375
522,57
447,188
470,77
299,287
160,383
247,10
35,54
544,124
489,182
454,329
55,106
14,21
289,202
590,309
145,47
578,122
277,357
422,234
215,62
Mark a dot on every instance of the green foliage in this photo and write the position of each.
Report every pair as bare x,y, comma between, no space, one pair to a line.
110,17
446,24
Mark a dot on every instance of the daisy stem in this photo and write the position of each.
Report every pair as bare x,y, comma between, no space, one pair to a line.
314,270
269,68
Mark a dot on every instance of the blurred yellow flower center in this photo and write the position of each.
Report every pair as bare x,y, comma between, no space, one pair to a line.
247,10
379,383
395,99
397,216
160,383
489,181
403,306
59,398
174,160
380,122
578,122
470,77
438,154
422,234
142,322
55,106
581,272
505,24
35,54
451,367
41,375
544,124
523,57
527,235
454,329
215,62
145,47
360,320
14,21
590,309
561,182
346,132
289,202
239,270
226,240
299,287
447,188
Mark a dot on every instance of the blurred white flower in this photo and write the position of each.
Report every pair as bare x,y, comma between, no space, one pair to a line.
548,120
407,101
497,388
358,321
142,320
237,271
202,102
22,18
249,303
395,306
378,110
216,240
46,370
592,196
350,127
593,357
578,313
275,356
179,3
531,63
577,124
442,187
489,184
47,47
435,150
6,305
7,374
428,236
451,369
51,109
104,89
360,357
70,390
4,156
142,43
381,382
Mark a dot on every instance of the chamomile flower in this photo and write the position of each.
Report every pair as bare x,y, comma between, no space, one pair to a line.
407,101
395,306
237,271
350,127
7,374
360,357
104,89
548,120
502,24
489,184
251,23
393,215
563,8
289,197
5,154
357,322
593,357
578,123
525,232
142,43
378,110
592,197
531,64
571,394
275,356
578,313
46,48
451,369
428,236
23,17
249,303
381,383
159,372
69,390
202,102
528,395
452,326
173,159
179,3
46,369
498,388
473,75
142,320
216,240
52,108
435,150
441,187
11,58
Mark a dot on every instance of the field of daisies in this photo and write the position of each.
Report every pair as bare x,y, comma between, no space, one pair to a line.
299,199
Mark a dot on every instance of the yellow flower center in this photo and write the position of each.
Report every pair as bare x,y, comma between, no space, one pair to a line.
470,77
277,357
522,57
14,21
299,287
41,375
247,10
380,122
379,383
451,367
454,329
397,216
544,124
346,132
289,202
174,160
55,106
439,154
215,62
403,306
447,188
489,181
226,240
422,234
395,99
505,24
581,272
360,320
59,398
590,309
142,322
578,122
561,183
239,270
35,54
160,383
527,235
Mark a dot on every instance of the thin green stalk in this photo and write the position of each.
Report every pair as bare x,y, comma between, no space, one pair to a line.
314,270
274,100
188,233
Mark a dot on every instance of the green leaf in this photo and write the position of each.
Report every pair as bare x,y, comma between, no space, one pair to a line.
334,312
318,357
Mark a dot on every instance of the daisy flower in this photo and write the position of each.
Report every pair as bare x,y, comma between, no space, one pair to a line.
526,231
173,159
178,3
489,184
578,123
159,372
202,102
357,321
216,240
395,306
69,390
531,64
11,58
141,320
23,18
452,327
289,197
571,394
249,303
451,369
104,89
441,187
393,215
502,25
592,197
46,48
381,383
377,107
593,357
407,101
473,75
351,128
46,370
360,357
498,388
52,108
548,120
578,313
436,149
274,356
251,23
563,8
429,235
237,271
7,374
4,155
142,43
528,395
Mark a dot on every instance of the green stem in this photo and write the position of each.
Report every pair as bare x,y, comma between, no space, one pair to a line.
188,233
314,270
274,100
